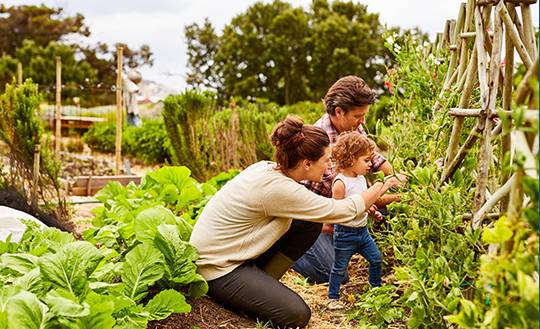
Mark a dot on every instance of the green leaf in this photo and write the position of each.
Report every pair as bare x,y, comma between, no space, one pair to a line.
143,266
21,263
31,281
24,310
184,229
147,221
71,266
135,317
500,233
180,258
101,309
165,303
528,289
64,303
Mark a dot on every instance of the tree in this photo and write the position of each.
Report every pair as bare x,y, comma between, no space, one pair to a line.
36,36
39,64
202,42
287,54
345,39
39,23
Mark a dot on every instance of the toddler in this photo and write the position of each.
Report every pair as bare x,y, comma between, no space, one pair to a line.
352,155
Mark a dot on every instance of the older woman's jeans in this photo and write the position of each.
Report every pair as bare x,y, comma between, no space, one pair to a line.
254,288
347,242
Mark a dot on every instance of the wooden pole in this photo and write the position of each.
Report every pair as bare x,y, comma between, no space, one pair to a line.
516,195
514,35
464,51
19,73
496,197
35,174
453,164
58,116
119,110
506,139
528,30
464,101
454,41
488,95
523,87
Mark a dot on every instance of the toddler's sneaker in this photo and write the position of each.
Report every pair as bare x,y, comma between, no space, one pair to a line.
335,304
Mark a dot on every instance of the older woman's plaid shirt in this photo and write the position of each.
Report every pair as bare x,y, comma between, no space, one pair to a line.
324,187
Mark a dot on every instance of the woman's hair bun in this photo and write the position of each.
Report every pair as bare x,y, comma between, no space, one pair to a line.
288,133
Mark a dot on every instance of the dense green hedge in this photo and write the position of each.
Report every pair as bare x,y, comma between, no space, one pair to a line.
209,139
149,142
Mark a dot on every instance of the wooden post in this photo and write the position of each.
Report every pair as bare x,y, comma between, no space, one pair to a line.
506,104
19,74
464,51
35,174
119,110
465,99
516,196
496,197
514,35
523,87
488,96
453,164
528,30
58,116
458,25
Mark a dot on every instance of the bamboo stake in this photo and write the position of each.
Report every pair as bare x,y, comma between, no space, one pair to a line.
482,61
458,25
522,147
488,95
506,104
506,139
458,158
491,202
464,51
514,35
472,35
523,87
446,36
119,110
464,101
528,30
487,2
58,126
19,73
35,174
516,195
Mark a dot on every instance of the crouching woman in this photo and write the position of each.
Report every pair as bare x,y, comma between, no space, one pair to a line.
263,220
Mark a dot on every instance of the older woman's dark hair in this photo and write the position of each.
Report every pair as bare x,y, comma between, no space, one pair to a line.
295,141
346,93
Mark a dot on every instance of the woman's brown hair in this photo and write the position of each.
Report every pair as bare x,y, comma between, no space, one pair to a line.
349,147
295,141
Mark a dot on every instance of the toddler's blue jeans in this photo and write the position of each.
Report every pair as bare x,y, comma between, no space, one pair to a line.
347,242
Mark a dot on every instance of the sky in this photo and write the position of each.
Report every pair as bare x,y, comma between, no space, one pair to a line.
160,23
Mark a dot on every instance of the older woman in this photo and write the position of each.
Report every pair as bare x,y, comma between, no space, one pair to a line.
261,221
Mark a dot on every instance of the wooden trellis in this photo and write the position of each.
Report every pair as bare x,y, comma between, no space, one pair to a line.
476,40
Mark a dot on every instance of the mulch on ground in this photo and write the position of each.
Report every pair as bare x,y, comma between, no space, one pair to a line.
205,314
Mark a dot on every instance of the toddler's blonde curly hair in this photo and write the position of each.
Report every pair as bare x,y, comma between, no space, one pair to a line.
349,147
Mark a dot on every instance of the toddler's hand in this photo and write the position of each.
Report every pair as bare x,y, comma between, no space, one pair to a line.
378,216
372,209
397,180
